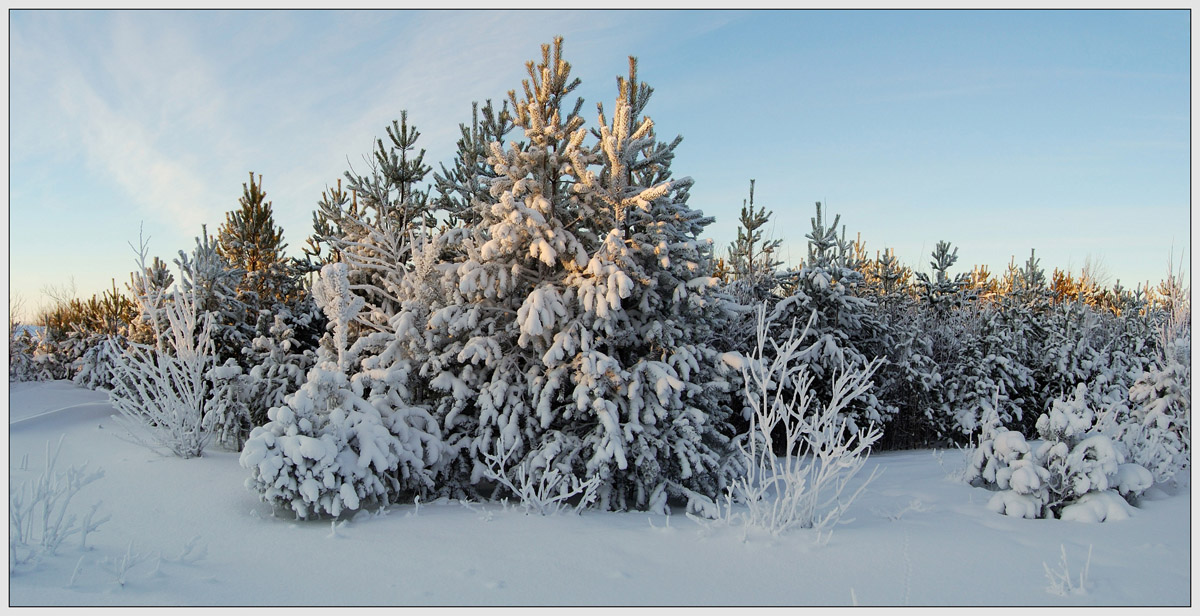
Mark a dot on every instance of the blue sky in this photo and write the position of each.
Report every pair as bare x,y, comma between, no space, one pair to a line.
1064,131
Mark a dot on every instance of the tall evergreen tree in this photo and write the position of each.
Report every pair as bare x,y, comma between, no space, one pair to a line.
250,241
571,330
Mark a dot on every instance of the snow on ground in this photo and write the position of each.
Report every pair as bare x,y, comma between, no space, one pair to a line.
917,538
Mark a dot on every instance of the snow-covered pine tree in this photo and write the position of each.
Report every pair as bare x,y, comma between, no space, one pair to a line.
280,359
146,283
942,294
22,344
570,330
372,234
1158,431
908,378
250,241
846,328
942,323
329,450
464,341
333,218
462,186
212,282
986,374
662,334
1076,352
105,316
752,261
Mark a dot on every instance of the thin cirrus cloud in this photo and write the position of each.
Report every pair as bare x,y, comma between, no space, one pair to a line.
136,113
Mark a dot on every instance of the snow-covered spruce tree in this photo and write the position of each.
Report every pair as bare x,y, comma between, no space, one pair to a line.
570,330
329,450
162,391
846,331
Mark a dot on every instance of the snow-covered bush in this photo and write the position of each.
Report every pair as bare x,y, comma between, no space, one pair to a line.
22,346
1158,431
39,513
1075,472
327,449
804,487
1082,458
1005,462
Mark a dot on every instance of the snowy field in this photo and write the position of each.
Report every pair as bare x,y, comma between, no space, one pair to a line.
916,538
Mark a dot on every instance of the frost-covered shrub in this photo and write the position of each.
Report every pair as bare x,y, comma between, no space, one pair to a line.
161,390
541,486
821,452
163,394
40,516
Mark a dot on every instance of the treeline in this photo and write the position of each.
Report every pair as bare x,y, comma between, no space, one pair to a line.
546,306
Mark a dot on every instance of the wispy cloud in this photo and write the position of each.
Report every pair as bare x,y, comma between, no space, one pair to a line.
135,109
